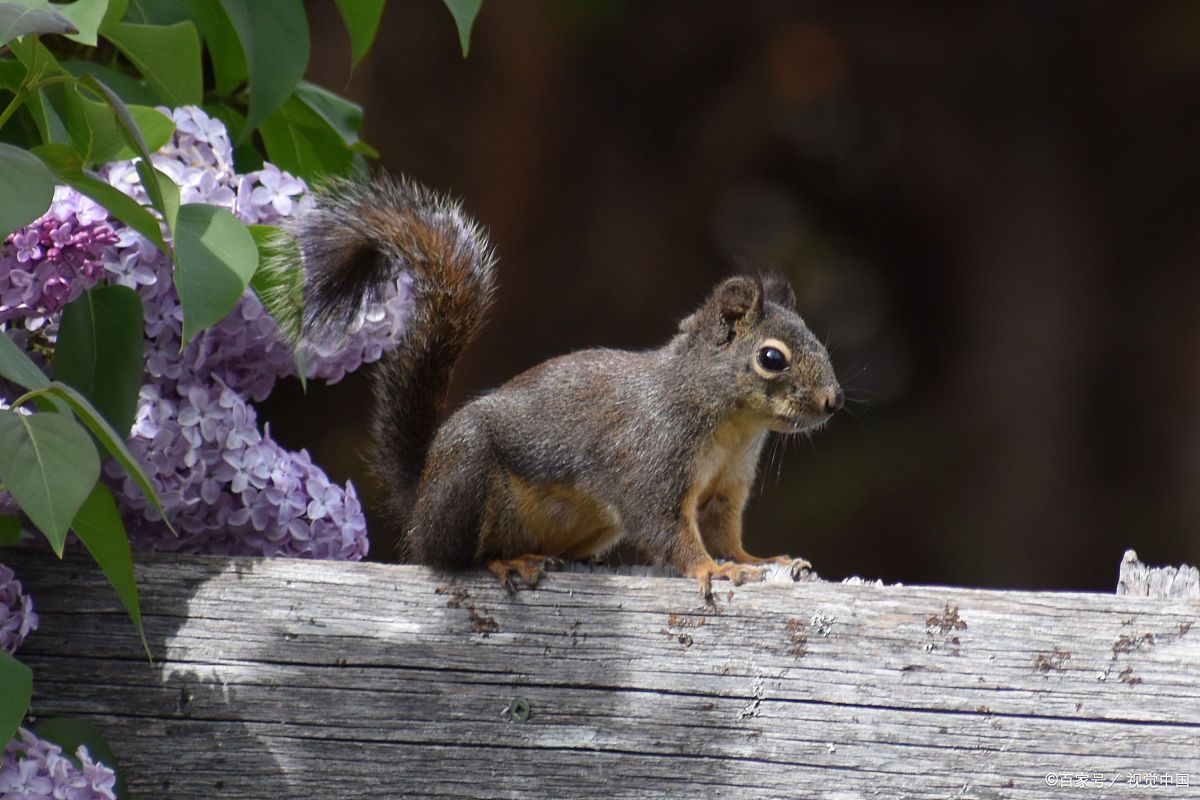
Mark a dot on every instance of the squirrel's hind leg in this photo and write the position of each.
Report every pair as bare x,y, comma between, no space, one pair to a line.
545,522
452,503
529,568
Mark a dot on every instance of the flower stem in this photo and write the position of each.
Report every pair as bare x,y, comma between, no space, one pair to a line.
13,105
20,401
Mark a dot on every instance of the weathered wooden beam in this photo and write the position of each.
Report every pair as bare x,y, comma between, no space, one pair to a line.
298,679
1139,580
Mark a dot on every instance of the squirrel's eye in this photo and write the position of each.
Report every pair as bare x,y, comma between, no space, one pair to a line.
772,360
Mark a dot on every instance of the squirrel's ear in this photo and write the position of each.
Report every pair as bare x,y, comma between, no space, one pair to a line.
738,299
735,303
777,290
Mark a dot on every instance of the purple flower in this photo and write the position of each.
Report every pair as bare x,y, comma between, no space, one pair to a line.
32,768
27,246
55,293
17,619
376,330
60,235
274,196
51,261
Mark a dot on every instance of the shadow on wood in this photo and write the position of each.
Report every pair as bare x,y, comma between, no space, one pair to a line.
300,679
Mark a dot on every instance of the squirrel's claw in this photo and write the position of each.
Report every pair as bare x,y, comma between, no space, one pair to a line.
528,568
735,573
798,567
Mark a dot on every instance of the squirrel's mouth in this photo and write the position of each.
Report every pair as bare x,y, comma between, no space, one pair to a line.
799,423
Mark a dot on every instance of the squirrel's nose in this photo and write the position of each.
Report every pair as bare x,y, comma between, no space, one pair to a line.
831,398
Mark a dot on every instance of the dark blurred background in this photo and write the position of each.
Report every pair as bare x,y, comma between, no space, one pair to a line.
989,212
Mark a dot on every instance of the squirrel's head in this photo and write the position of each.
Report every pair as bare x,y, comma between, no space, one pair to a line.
781,371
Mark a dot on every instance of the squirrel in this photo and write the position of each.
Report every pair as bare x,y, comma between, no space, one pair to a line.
658,448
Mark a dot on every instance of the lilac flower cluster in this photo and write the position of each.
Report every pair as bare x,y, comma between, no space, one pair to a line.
229,488
226,486
49,263
32,768
17,619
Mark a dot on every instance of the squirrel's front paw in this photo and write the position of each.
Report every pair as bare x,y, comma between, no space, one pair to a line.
742,557
733,572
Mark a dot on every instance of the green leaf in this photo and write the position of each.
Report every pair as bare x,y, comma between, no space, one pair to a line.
67,168
279,281
161,201
215,259
299,140
85,120
224,48
18,368
84,16
49,467
133,136
279,285
18,20
247,159
167,56
361,18
69,734
464,12
108,440
50,125
17,680
155,126
129,127
37,59
170,195
40,64
87,16
158,12
98,525
274,37
115,13
129,88
99,352
10,530
343,116
98,134
12,74
28,188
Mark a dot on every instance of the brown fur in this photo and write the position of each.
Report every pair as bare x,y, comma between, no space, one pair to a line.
584,450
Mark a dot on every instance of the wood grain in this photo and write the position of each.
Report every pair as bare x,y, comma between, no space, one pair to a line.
300,679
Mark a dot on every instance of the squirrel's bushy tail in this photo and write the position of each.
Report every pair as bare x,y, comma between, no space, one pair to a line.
358,238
